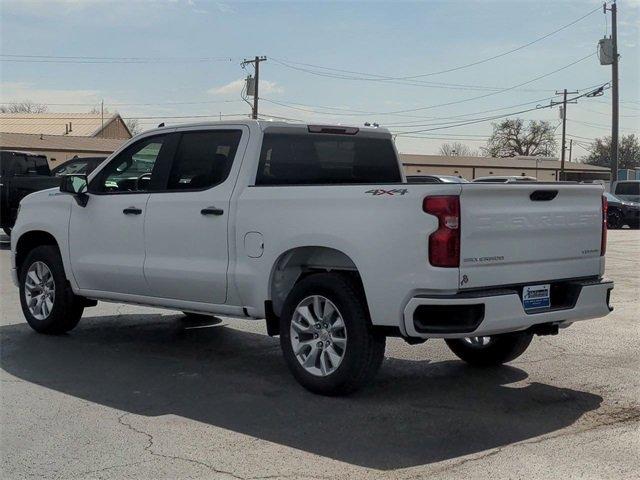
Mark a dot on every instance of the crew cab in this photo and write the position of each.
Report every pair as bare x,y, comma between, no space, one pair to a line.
314,229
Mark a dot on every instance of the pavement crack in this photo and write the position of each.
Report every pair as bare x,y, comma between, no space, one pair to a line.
149,449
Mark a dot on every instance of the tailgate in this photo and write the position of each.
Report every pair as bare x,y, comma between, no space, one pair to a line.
524,233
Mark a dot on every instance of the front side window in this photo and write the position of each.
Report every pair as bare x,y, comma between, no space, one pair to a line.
203,159
314,159
132,170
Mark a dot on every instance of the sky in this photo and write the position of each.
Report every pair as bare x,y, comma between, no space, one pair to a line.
177,61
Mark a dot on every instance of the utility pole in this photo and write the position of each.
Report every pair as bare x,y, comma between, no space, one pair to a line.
614,90
256,65
564,126
570,149
102,118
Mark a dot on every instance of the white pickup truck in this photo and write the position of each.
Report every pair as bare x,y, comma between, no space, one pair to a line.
313,229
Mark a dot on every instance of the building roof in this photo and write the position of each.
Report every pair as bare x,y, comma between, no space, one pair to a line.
28,142
48,123
542,163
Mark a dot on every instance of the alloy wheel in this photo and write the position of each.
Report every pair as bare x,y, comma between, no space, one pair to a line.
39,290
318,335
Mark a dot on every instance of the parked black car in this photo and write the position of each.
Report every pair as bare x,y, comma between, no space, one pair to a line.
84,165
21,173
621,212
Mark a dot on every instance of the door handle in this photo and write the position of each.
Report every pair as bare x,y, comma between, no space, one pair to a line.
132,211
211,211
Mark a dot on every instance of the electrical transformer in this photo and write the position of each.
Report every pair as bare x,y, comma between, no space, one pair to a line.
605,51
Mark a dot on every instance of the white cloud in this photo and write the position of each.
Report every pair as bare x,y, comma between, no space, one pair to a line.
235,87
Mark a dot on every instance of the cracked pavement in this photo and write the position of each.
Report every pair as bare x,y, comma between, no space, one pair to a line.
138,393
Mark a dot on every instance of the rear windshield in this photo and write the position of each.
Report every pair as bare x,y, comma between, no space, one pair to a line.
313,159
628,188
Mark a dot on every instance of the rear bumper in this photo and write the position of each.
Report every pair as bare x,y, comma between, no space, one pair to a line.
490,312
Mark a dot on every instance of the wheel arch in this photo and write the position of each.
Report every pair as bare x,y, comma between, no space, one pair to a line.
30,240
298,262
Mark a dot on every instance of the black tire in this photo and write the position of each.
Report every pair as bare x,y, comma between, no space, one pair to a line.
67,307
500,349
7,231
364,349
615,218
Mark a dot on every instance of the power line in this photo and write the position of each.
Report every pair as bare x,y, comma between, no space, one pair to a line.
456,102
474,121
449,86
4,57
453,69
125,104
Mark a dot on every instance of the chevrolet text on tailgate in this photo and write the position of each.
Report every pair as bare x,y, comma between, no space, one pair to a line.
313,229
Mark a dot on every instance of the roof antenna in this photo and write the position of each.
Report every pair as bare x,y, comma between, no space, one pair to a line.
161,125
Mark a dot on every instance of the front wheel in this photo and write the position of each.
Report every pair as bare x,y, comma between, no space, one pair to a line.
47,301
490,351
326,337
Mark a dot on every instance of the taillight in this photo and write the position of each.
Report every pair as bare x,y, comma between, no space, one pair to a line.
444,243
603,241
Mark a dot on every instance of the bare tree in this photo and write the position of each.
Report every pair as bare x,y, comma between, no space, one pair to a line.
628,152
133,124
457,149
512,137
27,106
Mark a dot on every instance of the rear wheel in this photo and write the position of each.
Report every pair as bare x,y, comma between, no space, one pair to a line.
614,218
490,351
47,301
326,337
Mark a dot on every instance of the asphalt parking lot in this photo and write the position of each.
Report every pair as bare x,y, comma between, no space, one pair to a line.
139,393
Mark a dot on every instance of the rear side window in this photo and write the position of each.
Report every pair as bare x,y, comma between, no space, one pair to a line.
71,168
203,159
41,166
314,159
628,188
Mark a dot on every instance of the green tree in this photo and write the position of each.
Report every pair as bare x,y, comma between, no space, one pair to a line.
512,137
628,152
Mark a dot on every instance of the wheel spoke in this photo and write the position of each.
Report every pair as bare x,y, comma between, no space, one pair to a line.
312,358
305,312
325,366
33,277
317,307
339,341
338,324
334,356
49,304
328,311
300,328
302,345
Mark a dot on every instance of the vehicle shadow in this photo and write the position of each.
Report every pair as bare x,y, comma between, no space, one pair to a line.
416,413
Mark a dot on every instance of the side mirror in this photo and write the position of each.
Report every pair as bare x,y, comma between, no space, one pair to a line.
76,185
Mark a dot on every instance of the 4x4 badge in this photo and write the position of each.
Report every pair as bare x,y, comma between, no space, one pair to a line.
381,191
